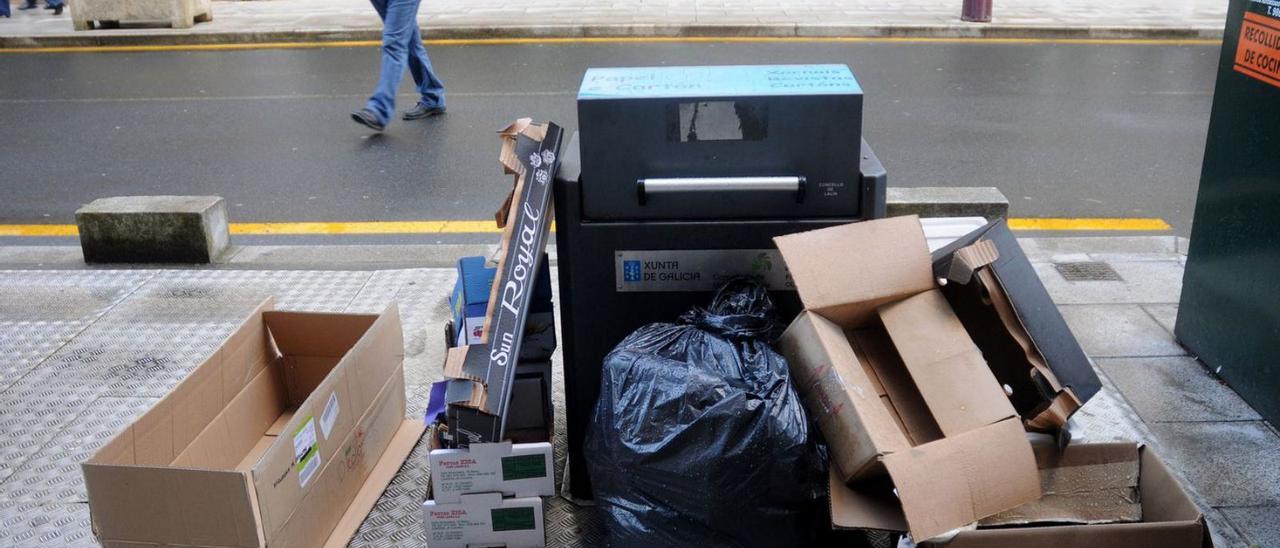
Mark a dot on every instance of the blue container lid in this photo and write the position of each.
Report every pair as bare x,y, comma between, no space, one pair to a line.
717,81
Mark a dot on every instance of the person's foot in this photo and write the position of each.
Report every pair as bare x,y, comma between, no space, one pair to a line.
25,7
368,119
57,10
420,111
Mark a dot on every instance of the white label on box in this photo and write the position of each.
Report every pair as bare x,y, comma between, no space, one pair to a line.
330,415
473,330
306,454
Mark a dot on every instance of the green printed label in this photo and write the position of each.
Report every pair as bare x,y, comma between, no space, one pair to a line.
513,519
524,467
305,454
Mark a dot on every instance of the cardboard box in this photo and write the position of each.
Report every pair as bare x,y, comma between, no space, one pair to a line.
520,470
484,519
895,383
997,295
285,436
470,303
1169,518
1082,484
470,298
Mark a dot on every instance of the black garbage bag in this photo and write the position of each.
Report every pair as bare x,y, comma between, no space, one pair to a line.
699,439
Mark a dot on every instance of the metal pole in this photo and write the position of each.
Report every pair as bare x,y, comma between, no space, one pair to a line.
976,11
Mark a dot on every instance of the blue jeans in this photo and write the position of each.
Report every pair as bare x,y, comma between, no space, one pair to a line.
401,45
4,8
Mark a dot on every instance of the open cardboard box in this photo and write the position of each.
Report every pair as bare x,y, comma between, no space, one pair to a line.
285,436
1087,484
898,388
997,295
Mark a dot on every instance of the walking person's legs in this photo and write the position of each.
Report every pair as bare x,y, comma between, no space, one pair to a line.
4,9
399,25
55,5
430,88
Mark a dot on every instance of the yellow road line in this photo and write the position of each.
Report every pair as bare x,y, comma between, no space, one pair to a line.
623,40
488,227
1086,224
38,230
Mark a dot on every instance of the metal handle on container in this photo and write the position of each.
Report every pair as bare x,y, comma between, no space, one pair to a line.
644,187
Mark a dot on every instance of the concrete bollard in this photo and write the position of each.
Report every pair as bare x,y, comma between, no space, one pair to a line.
983,201
153,229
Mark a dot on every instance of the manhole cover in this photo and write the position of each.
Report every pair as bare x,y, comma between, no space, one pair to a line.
1089,271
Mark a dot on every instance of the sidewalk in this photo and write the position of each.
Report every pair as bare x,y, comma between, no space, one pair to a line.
306,20
136,332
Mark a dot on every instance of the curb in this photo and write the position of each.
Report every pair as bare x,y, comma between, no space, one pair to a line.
166,37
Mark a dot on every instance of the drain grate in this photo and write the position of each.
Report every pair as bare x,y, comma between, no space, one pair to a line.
1088,271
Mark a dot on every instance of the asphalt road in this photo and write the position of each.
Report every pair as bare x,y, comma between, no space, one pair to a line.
1064,130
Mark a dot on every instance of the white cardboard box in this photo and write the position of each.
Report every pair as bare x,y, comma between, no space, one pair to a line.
511,469
484,519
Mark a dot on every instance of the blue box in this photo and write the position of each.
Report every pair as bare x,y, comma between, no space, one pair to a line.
470,302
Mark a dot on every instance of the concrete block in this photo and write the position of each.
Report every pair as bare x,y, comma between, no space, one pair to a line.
1175,389
983,201
180,14
1230,463
153,229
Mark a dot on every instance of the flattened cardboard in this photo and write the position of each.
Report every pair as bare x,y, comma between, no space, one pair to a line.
1169,520
896,385
1083,484
845,272
1009,314
184,473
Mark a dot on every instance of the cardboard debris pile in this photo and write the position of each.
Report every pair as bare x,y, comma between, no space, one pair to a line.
485,489
285,436
480,383
928,375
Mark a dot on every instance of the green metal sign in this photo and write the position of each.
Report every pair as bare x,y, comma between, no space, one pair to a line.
1230,310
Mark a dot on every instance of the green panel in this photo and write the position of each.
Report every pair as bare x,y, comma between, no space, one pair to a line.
513,519
1230,310
524,467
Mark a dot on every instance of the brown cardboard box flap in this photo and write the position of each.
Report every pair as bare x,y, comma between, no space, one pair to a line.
958,480
845,272
406,437
1169,519
839,394
948,369
1093,483
943,485
969,259
871,506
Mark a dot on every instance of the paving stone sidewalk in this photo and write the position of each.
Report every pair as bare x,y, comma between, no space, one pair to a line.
58,318
292,20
